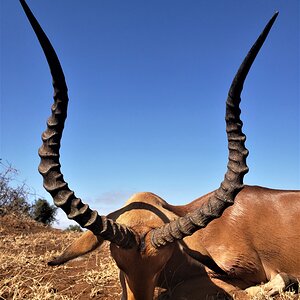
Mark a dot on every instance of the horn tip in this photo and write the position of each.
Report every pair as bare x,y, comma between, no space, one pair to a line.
275,14
272,20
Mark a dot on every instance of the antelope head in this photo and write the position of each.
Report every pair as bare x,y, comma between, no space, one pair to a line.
141,250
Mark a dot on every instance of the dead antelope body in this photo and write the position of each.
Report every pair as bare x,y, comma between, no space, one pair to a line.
229,240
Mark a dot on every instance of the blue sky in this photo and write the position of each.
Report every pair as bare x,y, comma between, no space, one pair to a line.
147,83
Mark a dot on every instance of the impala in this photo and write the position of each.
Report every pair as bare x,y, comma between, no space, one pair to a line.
229,240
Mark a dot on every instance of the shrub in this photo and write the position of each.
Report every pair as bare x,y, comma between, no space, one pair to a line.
43,212
13,194
74,228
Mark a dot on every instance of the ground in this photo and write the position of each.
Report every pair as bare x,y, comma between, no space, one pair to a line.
25,248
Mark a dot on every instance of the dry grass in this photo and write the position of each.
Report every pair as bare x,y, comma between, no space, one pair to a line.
282,296
25,249
24,274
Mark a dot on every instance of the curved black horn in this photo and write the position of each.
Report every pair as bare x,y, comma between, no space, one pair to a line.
237,168
49,152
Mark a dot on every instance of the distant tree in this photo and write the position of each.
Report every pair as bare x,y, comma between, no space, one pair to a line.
74,228
13,194
14,197
43,212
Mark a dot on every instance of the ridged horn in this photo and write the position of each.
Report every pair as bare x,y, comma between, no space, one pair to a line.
236,168
49,152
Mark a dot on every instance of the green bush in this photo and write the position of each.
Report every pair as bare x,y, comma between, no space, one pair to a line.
43,212
74,228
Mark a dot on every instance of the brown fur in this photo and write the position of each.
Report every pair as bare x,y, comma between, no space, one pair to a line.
254,240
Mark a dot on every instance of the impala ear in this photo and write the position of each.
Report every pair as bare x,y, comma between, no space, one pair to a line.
83,245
